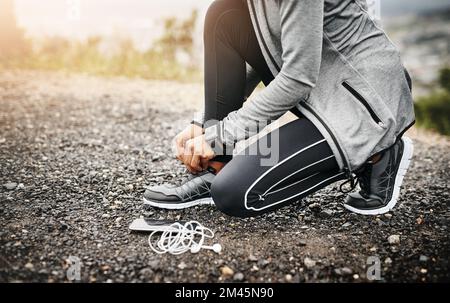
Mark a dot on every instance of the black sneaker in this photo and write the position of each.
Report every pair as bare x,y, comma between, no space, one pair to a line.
196,190
380,182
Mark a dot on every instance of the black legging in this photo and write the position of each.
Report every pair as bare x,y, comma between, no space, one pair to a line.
304,162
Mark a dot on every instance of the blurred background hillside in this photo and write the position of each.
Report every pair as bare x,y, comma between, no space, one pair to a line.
162,39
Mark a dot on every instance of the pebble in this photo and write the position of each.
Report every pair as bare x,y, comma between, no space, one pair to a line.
29,266
182,265
252,258
419,220
388,261
347,224
238,277
423,258
226,272
394,239
326,213
153,264
309,263
302,242
344,271
10,185
288,278
314,207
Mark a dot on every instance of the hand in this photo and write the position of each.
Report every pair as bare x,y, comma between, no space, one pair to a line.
197,153
191,131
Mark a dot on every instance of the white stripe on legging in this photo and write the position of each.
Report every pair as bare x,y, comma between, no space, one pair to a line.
296,195
274,167
287,186
301,169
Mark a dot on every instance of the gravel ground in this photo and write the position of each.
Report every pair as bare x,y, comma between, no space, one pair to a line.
77,151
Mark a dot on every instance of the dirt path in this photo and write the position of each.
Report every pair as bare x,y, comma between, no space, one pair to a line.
81,149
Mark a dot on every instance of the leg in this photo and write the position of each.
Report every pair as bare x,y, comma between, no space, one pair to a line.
230,42
306,164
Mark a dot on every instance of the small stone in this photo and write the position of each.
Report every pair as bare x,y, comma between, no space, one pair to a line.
238,276
315,207
182,265
226,272
326,213
388,216
105,268
355,276
106,216
10,185
154,264
118,219
419,220
29,266
252,258
388,261
347,224
344,271
423,258
394,239
302,242
309,263
20,186
288,278
423,270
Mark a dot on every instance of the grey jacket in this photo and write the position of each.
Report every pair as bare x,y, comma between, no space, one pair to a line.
333,63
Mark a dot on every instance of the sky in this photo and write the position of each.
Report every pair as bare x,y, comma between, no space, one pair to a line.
140,19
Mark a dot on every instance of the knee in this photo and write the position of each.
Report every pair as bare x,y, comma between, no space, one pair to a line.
228,198
214,19
215,9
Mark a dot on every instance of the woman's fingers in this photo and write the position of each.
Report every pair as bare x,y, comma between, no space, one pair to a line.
195,163
204,162
179,147
196,154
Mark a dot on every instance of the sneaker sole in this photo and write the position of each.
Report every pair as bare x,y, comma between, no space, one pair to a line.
403,168
204,201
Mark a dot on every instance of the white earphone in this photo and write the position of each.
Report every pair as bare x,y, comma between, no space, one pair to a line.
181,238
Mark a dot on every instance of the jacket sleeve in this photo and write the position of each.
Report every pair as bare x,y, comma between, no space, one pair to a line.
301,40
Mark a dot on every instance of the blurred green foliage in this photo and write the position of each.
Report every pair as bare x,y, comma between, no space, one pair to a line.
433,111
159,62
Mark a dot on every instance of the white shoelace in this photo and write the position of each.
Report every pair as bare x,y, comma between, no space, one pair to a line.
180,238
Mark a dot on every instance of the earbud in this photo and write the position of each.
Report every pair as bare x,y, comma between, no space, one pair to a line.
217,248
